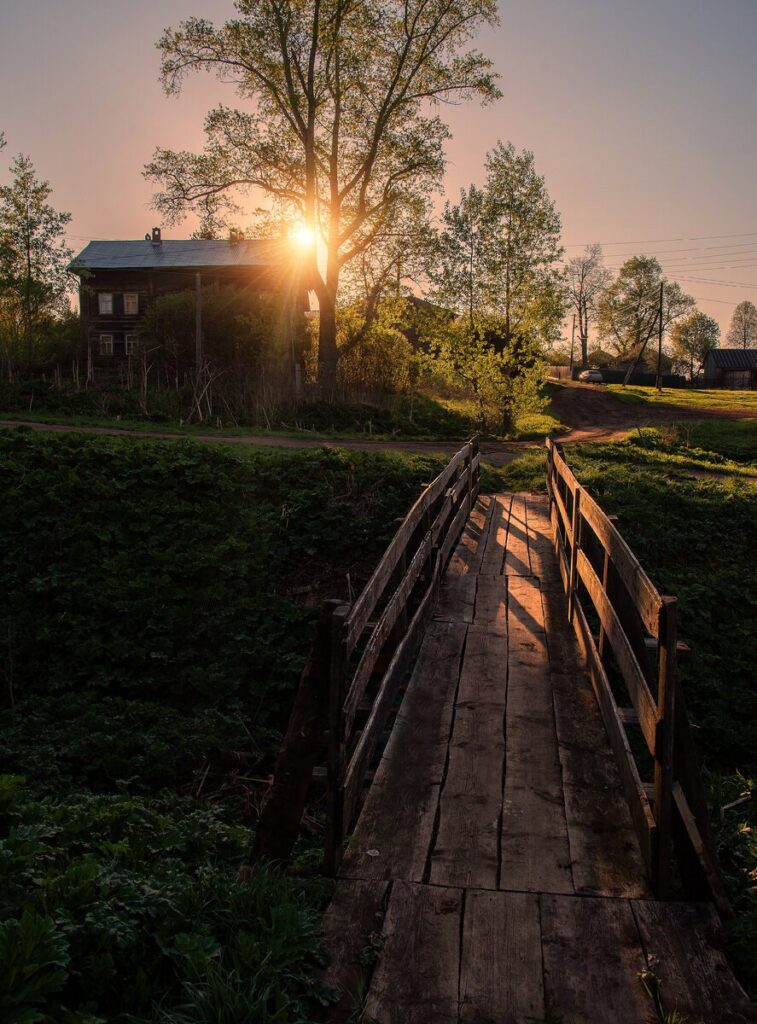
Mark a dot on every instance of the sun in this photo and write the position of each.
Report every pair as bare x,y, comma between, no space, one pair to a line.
303,236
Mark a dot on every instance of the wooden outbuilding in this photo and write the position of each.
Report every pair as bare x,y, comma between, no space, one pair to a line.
734,368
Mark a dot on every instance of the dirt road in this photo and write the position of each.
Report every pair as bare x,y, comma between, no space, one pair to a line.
494,452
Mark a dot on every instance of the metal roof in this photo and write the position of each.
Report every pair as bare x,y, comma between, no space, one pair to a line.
175,254
733,358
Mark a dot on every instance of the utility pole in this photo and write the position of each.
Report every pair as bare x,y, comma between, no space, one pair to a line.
658,382
572,340
198,323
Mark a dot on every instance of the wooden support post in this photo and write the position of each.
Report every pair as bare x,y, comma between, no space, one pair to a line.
664,746
335,825
303,744
574,548
470,477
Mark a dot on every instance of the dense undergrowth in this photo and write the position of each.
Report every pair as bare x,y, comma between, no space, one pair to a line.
156,606
422,416
696,537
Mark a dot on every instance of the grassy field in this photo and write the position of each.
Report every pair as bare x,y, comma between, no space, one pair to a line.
696,538
156,605
687,399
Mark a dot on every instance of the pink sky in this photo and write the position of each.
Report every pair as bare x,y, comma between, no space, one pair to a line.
641,116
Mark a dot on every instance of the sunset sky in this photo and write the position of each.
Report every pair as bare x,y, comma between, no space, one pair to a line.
641,115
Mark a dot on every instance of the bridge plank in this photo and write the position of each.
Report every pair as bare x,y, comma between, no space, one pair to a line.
354,916
393,834
416,977
457,598
466,557
491,604
592,956
500,967
483,677
605,853
466,851
517,557
495,538
535,854
683,946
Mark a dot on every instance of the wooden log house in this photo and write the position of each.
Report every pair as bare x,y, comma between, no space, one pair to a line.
120,279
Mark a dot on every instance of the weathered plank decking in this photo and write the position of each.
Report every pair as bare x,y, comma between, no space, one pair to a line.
494,869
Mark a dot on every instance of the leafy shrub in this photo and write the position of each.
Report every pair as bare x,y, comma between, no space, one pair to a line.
164,569
130,902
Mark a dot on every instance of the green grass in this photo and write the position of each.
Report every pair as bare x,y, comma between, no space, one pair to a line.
157,601
688,399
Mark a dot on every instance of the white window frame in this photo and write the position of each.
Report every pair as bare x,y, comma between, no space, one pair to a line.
105,303
130,341
106,344
134,297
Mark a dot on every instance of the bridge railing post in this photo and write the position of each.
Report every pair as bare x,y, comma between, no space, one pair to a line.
664,744
575,544
338,668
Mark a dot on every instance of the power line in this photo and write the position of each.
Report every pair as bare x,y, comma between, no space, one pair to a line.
652,241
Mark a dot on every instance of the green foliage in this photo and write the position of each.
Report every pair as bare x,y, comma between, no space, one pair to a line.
498,252
34,956
742,331
132,905
627,311
33,260
239,328
692,337
163,568
149,617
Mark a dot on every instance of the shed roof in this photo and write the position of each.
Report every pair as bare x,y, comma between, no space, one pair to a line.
732,358
178,254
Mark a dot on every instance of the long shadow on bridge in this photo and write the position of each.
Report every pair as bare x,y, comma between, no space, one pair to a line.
494,876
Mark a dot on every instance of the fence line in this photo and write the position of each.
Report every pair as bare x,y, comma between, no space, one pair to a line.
628,634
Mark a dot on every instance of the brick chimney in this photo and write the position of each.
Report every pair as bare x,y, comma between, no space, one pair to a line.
156,239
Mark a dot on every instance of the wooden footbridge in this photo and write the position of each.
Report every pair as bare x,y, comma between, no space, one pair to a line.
499,693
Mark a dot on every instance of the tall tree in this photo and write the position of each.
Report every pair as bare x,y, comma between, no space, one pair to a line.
499,250
691,339
627,310
342,128
586,279
743,329
33,257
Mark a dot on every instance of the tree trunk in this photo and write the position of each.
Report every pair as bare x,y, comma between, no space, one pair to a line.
327,350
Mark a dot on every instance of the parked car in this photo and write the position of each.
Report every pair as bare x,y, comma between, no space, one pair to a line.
590,376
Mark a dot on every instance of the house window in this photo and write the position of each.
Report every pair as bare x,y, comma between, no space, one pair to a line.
106,344
131,303
130,343
105,302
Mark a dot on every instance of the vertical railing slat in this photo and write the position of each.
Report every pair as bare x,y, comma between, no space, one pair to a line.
664,746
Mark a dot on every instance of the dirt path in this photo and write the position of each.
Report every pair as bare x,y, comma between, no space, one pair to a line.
593,414
496,453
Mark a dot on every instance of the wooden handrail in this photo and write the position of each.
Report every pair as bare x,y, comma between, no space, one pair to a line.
676,810
403,589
